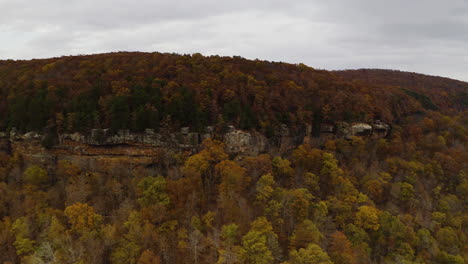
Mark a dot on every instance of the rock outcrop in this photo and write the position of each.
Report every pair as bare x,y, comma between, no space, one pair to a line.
380,129
152,152
236,141
377,129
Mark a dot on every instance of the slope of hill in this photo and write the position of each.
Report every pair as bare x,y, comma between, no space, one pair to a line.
432,91
165,158
142,90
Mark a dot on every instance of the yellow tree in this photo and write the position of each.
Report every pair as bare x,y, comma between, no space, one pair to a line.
199,167
282,169
260,244
36,175
265,188
82,218
313,254
367,217
330,172
308,158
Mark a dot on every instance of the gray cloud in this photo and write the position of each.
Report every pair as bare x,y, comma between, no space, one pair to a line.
427,36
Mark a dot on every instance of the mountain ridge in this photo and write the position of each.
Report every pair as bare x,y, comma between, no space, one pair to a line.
144,89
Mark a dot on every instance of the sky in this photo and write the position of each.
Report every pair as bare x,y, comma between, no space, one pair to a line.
424,36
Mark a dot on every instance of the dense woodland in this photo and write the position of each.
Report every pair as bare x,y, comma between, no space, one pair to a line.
399,199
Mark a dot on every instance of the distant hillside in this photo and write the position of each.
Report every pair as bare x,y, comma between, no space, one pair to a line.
150,90
441,91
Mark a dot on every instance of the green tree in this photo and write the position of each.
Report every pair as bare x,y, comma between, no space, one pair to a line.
260,244
229,234
265,188
22,230
330,172
36,175
282,169
125,253
448,240
153,191
230,253
256,250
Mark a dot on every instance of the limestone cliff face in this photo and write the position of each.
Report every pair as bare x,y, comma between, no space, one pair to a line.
151,152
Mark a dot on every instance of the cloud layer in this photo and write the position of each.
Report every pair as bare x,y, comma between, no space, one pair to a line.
427,36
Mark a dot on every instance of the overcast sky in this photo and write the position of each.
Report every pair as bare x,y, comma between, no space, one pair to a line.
426,36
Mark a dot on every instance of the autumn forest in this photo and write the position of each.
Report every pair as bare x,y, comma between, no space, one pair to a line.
156,158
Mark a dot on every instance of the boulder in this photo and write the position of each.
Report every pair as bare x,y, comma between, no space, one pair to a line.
361,129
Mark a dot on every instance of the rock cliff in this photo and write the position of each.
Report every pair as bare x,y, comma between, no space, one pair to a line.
153,151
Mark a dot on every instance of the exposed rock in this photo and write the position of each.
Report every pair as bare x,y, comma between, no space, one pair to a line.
239,141
77,137
361,129
327,128
185,130
98,137
209,131
342,128
308,129
13,133
377,130
380,129
31,135
284,130
152,138
122,136
149,131
185,141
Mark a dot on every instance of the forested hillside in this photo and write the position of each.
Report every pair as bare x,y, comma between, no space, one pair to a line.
311,194
141,90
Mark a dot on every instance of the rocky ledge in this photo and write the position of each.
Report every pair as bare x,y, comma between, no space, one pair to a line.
237,141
